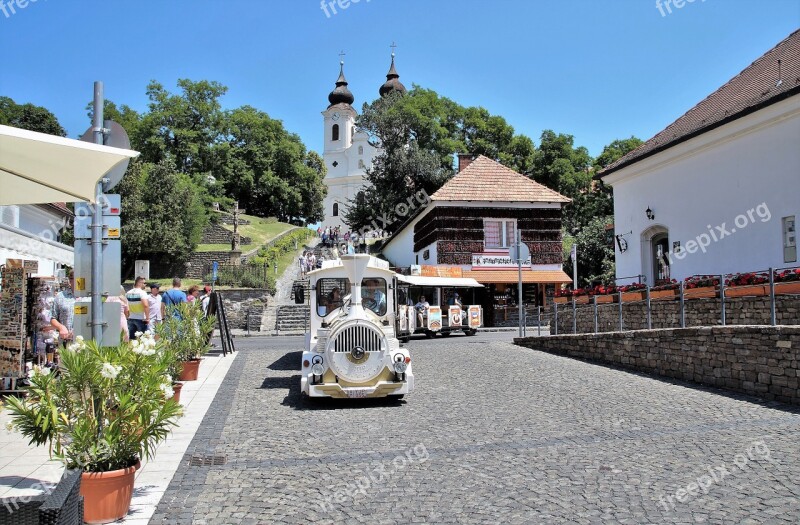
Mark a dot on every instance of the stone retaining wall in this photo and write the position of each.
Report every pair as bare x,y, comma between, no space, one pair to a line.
200,260
758,360
666,313
240,302
216,234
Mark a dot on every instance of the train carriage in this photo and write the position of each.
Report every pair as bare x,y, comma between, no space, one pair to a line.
352,349
446,313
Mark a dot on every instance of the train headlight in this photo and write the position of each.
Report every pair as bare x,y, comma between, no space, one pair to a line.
317,360
317,369
400,367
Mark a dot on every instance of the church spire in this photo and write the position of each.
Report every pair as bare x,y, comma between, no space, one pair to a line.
341,94
392,83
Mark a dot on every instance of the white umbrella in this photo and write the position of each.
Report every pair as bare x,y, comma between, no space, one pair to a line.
39,168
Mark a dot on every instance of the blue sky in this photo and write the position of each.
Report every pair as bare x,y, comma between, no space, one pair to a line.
596,69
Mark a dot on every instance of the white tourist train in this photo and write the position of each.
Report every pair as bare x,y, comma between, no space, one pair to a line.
351,349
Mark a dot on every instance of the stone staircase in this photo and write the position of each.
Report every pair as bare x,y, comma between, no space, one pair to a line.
292,319
286,317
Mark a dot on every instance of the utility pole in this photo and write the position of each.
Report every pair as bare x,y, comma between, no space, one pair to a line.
97,223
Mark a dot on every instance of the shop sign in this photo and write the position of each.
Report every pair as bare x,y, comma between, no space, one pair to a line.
492,260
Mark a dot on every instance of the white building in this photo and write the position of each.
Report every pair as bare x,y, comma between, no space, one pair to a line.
347,150
32,232
718,190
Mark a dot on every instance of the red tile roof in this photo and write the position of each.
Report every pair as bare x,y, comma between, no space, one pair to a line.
490,181
752,89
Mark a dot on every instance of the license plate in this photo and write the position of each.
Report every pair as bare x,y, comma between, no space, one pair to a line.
358,392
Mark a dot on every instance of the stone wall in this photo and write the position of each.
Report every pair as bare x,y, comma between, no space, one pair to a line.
666,313
756,360
199,261
240,302
216,234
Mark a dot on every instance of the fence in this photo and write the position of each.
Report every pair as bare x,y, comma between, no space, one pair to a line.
756,298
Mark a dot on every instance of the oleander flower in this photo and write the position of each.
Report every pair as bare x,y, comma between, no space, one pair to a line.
110,371
167,389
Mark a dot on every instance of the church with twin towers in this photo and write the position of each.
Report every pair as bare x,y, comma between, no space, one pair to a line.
347,152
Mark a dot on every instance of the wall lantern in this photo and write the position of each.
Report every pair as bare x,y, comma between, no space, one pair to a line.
650,214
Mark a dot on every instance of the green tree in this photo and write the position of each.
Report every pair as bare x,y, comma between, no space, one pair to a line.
595,253
162,214
418,134
29,117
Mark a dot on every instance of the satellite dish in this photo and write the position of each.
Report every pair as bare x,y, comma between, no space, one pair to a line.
116,138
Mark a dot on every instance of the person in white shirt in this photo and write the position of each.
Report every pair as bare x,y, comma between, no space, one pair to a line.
154,305
422,307
138,306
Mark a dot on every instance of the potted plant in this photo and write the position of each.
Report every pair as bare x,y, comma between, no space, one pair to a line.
633,292
102,410
187,334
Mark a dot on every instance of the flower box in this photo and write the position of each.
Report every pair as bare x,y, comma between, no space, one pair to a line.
703,292
560,300
792,287
629,297
656,295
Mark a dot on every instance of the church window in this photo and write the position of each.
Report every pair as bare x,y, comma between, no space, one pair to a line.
361,150
361,164
335,209
335,132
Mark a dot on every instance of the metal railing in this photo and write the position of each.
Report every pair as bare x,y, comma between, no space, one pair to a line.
686,306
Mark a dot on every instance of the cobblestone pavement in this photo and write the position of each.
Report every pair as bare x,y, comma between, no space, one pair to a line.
493,434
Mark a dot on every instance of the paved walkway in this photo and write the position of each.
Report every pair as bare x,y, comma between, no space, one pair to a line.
24,468
494,433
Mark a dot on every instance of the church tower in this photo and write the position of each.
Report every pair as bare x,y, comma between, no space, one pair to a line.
347,153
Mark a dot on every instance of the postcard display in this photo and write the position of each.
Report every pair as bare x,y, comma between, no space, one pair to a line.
12,321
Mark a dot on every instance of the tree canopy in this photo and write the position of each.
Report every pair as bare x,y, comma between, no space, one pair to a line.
240,154
30,117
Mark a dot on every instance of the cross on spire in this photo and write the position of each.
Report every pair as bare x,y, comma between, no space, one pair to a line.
341,57
393,46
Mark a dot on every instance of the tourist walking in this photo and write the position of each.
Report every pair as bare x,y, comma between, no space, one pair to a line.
62,315
139,308
172,298
154,301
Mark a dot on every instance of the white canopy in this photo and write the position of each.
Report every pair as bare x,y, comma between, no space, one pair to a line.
445,282
37,168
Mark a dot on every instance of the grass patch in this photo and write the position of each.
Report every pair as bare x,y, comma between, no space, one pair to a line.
215,247
261,230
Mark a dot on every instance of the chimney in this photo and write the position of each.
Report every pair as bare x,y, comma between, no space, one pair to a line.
464,160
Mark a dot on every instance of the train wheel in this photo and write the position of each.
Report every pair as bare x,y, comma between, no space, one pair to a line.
446,334
429,334
397,396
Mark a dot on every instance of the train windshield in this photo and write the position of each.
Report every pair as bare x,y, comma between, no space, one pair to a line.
331,294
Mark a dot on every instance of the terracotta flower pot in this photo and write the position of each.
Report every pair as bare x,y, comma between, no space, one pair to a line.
189,370
107,495
605,299
176,391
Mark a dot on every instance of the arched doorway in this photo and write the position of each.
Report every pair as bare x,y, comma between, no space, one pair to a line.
655,255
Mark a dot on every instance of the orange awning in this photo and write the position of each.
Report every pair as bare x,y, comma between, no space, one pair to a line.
512,276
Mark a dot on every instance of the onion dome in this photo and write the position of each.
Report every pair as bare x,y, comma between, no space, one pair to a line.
392,83
340,94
